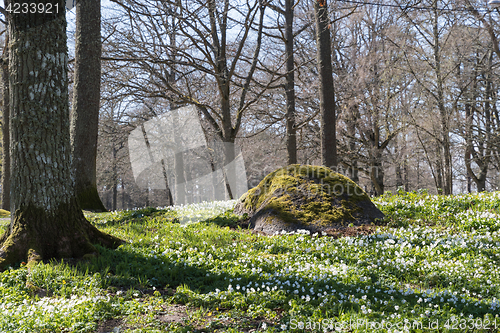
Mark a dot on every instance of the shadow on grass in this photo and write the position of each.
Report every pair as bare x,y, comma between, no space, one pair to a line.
111,218
127,267
124,269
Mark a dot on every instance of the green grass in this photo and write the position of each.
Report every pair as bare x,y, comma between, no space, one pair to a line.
435,264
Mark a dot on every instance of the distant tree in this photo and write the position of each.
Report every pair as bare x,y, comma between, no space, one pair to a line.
86,100
47,221
327,91
291,131
429,64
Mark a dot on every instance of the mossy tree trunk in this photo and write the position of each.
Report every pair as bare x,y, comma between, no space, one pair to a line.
86,99
5,129
47,221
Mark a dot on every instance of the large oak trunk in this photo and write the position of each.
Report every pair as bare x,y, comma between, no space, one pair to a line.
46,220
5,130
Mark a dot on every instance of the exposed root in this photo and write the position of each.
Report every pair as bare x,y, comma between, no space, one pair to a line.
36,236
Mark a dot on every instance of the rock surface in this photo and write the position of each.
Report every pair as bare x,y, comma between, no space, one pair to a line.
306,197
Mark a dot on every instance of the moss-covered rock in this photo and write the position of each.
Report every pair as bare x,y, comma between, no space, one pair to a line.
313,198
4,213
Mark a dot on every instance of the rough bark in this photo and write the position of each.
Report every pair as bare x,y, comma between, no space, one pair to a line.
291,135
86,100
5,130
47,221
443,113
327,92
353,156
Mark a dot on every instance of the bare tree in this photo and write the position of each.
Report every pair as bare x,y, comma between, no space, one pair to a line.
208,57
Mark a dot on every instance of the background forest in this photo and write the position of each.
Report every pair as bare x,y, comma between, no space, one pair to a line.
416,88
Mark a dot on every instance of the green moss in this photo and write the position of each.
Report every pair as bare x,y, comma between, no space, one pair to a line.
4,213
37,234
307,194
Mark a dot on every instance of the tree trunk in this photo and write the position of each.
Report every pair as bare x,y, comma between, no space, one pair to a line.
399,170
377,175
405,170
180,179
170,200
123,194
86,100
353,155
5,130
327,92
399,176
291,135
47,221
115,179
443,113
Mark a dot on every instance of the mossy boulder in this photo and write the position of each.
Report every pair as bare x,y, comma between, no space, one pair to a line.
313,198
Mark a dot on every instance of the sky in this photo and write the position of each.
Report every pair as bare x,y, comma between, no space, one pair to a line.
106,6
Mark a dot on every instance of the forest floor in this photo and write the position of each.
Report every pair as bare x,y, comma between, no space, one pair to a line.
198,268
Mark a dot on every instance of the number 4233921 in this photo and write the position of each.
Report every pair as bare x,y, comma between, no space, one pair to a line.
32,8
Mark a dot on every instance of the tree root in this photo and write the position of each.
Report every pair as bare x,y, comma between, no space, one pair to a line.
36,235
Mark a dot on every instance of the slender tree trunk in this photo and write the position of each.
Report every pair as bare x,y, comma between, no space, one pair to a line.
399,170
327,92
291,132
47,221
146,193
445,134
377,175
468,145
170,200
86,101
439,180
115,179
399,176
418,172
405,170
123,194
5,130
180,179
351,132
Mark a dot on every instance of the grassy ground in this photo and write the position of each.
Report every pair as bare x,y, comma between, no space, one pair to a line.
434,266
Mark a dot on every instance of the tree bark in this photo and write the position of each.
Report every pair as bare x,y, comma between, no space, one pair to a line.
115,179
327,92
5,130
180,179
291,131
47,221
443,113
86,101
